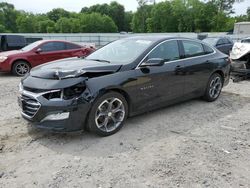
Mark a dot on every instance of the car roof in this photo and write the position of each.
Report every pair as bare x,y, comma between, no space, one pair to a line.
157,38
46,40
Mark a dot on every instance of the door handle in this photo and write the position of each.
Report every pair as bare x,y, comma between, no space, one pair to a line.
178,67
179,70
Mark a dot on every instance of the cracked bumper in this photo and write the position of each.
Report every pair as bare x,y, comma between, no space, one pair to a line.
57,115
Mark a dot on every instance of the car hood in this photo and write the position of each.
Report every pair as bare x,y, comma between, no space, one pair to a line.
72,68
12,52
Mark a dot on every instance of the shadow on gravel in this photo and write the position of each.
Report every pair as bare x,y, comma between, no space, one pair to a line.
143,129
7,74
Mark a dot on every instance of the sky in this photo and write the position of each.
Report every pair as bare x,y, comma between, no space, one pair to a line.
43,6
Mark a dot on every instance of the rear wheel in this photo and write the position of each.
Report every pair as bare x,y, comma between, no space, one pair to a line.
108,114
214,88
20,68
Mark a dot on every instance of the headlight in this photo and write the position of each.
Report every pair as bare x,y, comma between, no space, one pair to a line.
3,58
73,91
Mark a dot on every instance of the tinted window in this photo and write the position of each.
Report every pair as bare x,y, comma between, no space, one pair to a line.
192,48
207,49
168,50
53,46
226,41
70,46
220,42
246,41
211,41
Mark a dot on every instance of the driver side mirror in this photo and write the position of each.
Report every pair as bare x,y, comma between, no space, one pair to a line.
153,62
39,50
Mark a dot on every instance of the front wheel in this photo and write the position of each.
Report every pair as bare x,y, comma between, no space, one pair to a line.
20,68
214,88
108,114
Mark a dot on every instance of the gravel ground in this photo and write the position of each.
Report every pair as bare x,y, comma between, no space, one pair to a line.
193,144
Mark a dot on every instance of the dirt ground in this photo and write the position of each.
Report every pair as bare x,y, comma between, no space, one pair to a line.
193,144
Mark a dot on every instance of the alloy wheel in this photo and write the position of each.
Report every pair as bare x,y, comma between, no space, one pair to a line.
110,114
22,68
215,87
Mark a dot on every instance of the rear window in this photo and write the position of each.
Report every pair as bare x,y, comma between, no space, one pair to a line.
53,46
70,46
192,48
207,49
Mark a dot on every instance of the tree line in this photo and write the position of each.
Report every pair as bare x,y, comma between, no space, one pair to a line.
166,16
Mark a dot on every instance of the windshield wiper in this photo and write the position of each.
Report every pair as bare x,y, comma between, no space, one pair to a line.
100,60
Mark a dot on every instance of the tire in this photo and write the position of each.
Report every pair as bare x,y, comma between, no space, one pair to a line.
20,68
214,87
108,114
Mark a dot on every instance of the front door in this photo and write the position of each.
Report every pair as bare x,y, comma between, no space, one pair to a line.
49,51
160,84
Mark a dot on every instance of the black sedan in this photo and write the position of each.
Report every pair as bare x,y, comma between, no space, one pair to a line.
224,44
122,79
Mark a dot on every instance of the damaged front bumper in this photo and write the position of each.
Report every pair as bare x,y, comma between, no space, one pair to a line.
56,115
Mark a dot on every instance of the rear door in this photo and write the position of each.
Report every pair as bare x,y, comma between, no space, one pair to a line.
197,67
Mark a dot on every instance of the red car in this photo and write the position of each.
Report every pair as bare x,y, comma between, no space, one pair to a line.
19,62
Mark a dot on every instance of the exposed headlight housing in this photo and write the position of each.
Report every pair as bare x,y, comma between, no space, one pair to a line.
66,93
73,91
3,58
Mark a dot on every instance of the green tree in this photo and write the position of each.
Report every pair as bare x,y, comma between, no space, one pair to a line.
97,23
26,23
8,16
114,10
141,19
2,29
128,21
224,5
45,26
117,13
58,13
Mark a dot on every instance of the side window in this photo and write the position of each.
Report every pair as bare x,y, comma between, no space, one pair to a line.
168,51
226,41
53,46
207,49
192,49
70,46
220,42
246,41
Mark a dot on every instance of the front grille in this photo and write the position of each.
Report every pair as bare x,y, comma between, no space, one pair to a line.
29,106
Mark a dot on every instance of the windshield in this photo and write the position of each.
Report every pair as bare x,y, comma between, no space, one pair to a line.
122,51
31,46
211,41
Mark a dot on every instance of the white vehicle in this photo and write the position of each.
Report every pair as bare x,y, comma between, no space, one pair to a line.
242,28
240,57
